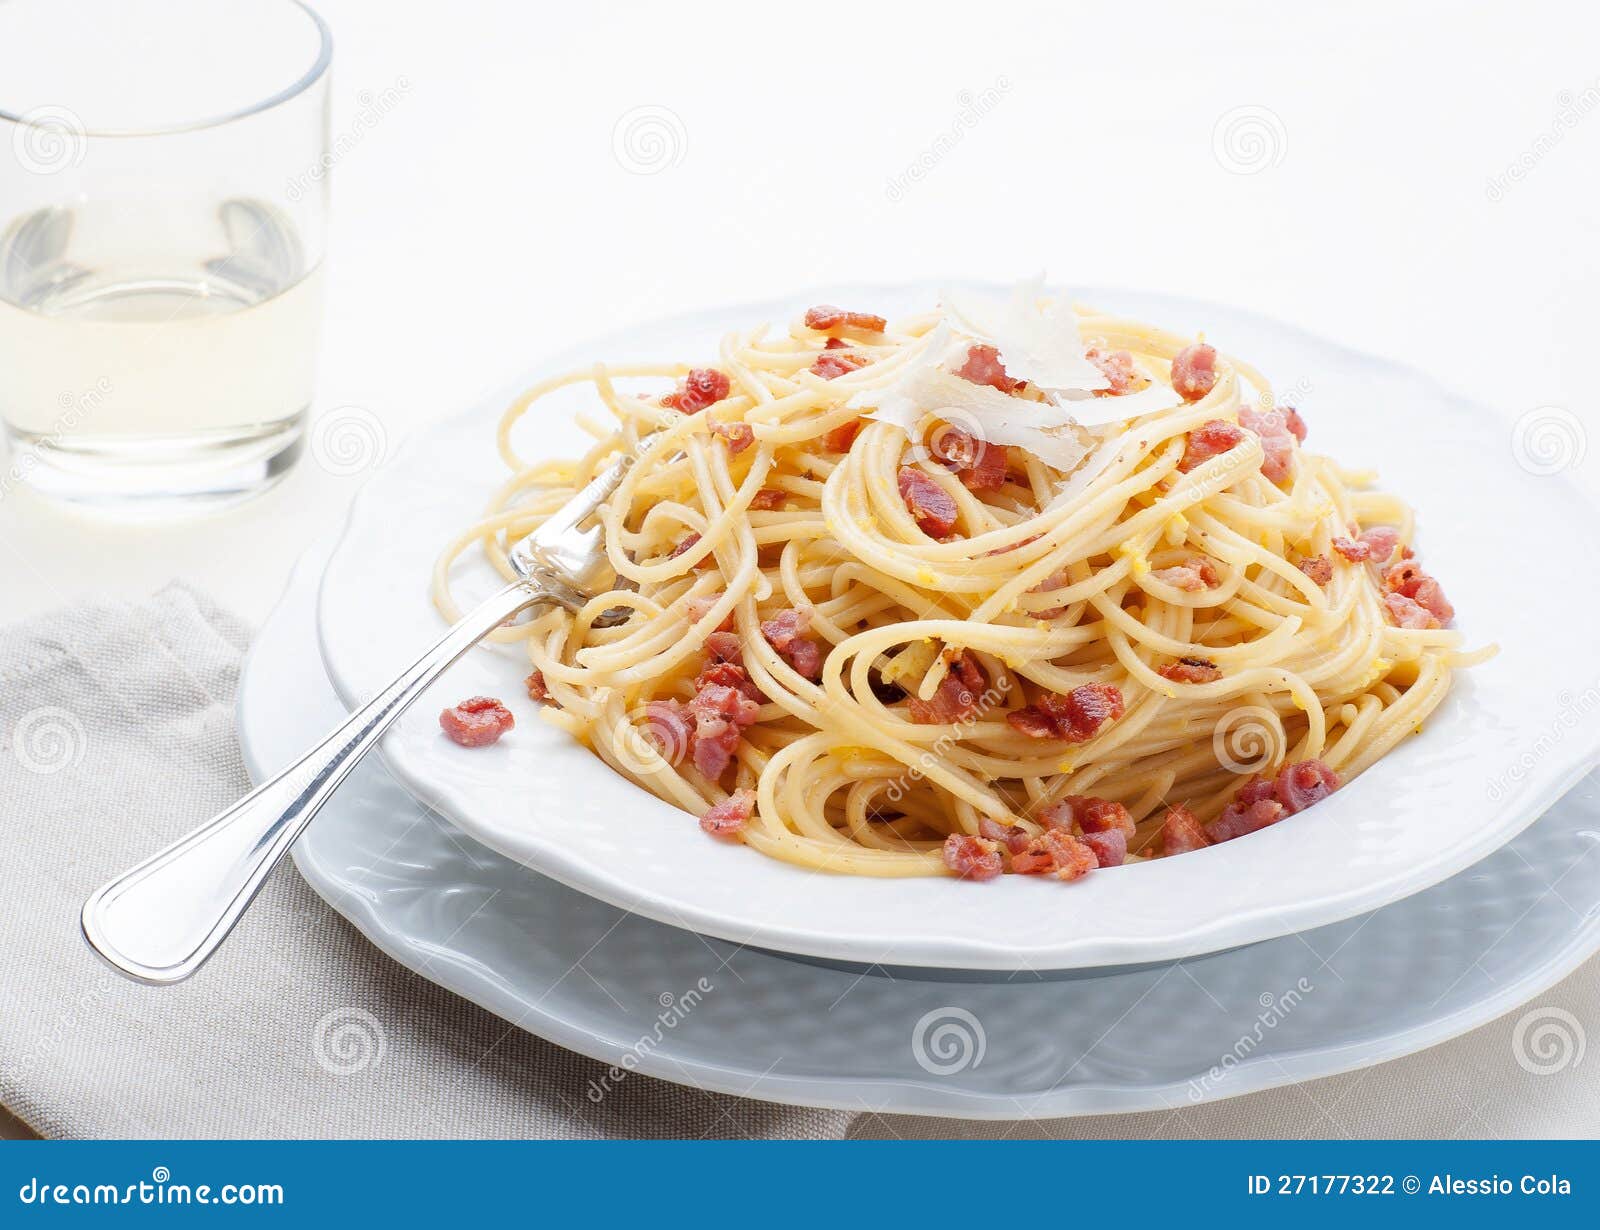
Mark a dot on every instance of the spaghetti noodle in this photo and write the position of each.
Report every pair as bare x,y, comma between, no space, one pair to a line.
1025,588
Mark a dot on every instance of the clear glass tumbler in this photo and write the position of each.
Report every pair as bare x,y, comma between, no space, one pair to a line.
163,201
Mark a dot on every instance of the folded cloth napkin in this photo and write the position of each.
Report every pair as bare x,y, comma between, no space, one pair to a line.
117,736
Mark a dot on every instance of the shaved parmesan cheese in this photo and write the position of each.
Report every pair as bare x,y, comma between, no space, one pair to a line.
1094,411
927,392
1037,339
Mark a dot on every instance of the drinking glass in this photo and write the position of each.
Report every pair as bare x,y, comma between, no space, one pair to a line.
163,201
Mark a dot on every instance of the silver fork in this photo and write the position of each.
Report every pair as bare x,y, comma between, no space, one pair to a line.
160,921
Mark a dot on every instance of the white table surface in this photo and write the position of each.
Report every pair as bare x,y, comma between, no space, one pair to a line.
486,218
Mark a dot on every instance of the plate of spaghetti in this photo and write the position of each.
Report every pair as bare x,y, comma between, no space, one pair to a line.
943,622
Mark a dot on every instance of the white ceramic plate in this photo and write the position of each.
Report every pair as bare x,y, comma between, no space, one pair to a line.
1379,986
1515,549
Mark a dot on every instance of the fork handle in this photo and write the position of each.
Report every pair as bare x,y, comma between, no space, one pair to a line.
160,921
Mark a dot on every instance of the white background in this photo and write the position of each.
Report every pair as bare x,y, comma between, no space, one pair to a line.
488,218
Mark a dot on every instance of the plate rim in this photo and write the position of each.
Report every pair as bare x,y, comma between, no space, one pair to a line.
1559,772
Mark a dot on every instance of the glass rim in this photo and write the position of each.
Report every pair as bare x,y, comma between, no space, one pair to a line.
318,69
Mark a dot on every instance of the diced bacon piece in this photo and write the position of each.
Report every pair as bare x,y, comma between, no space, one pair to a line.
1409,613
728,674
840,438
1277,441
957,697
702,387
983,366
1380,541
476,722
1210,439
1409,581
786,633
1089,814
830,365
825,317
1195,574
668,727
1181,832
1304,783
1293,421
767,498
1194,371
972,858
737,436
933,507
1076,717
725,647
1031,722
731,815
1110,849
1241,818
1013,837
1255,790
1318,567
1353,550
698,608
1055,852
538,690
1191,670
1117,367
687,544
980,466
721,709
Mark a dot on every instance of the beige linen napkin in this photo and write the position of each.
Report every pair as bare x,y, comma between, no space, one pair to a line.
116,736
